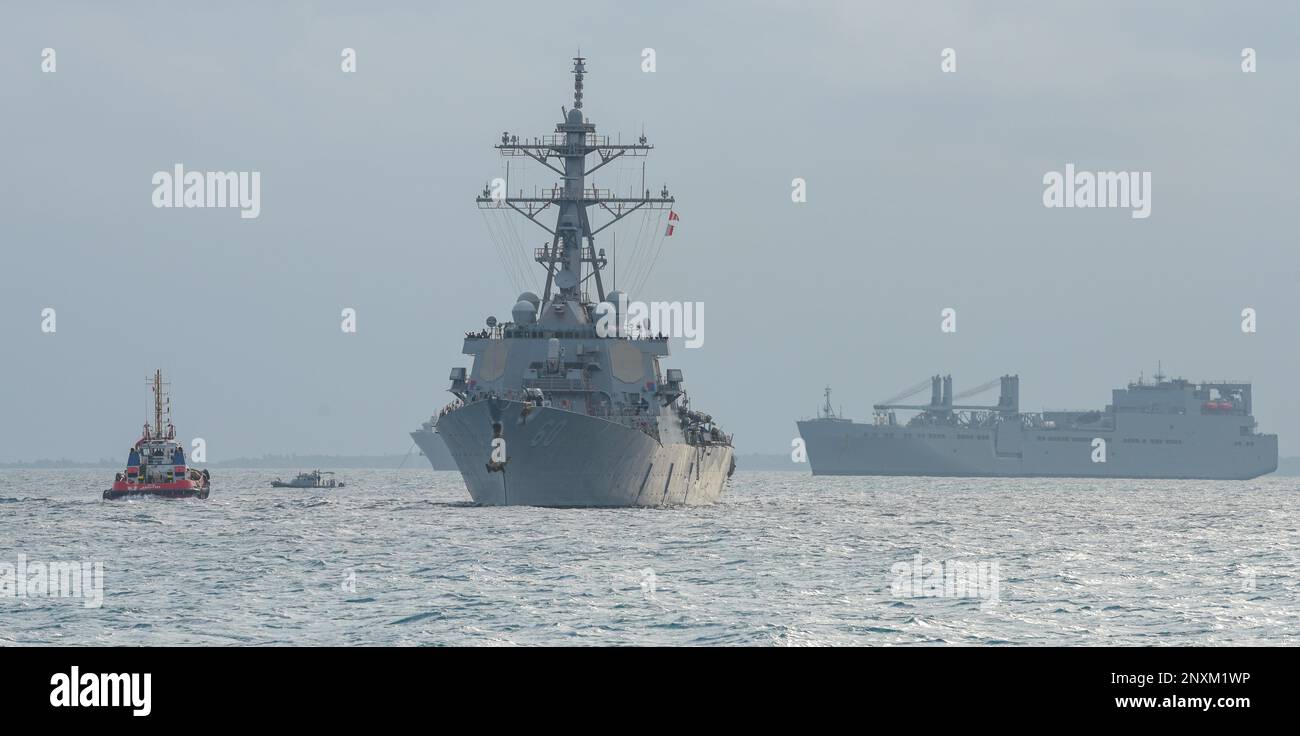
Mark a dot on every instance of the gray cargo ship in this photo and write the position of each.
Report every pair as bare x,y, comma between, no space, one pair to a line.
1166,428
554,411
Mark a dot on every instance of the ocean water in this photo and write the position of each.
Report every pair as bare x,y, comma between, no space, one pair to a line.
400,557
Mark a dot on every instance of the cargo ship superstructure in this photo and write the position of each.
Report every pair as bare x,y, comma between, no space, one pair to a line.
1166,428
567,404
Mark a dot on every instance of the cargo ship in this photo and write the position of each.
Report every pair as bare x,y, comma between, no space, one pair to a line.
1165,428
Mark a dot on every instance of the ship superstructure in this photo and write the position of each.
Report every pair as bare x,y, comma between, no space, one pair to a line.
155,464
567,404
1165,428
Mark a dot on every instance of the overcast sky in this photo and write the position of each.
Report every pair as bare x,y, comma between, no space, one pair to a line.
924,192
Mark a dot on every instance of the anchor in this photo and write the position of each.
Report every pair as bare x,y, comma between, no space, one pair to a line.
498,448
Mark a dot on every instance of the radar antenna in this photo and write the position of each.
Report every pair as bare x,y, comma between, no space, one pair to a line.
571,258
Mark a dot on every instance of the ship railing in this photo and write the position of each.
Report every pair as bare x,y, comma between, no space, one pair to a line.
546,254
621,412
723,440
547,196
592,195
557,142
558,384
510,330
534,332
496,332
514,331
516,395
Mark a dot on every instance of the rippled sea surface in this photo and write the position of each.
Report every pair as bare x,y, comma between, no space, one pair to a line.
400,557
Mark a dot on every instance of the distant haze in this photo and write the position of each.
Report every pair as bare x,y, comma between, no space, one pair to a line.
924,192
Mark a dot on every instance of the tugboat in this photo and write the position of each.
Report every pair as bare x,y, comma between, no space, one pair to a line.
155,464
309,480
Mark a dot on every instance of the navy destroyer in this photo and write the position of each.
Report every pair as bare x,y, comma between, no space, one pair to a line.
1166,428
557,409
431,445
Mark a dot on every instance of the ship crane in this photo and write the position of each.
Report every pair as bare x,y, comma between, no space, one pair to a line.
974,392
942,398
906,394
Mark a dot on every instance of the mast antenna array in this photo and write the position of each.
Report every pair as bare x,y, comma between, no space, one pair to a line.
571,257
162,405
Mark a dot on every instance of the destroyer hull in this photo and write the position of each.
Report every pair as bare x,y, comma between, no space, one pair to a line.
1150,449
434,449
565,459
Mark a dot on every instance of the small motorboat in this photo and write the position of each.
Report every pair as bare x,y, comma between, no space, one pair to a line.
313,479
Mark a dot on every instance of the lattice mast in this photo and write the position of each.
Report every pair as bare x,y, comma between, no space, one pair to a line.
162,408
571,258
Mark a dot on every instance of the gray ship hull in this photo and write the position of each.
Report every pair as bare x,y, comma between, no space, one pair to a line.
566,459
433,449
1155,446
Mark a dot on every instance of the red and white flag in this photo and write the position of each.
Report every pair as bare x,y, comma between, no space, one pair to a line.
672,217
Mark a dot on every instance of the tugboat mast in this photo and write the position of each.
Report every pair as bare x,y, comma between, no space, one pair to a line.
565,153
161,405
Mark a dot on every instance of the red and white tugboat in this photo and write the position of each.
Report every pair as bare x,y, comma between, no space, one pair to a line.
155,465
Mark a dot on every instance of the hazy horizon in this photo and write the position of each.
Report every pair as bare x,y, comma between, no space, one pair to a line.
924,191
